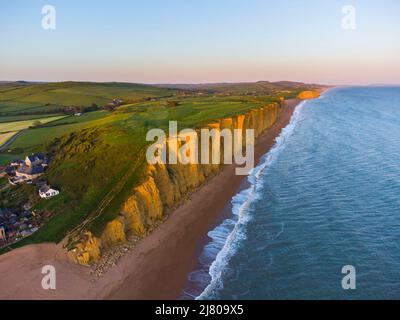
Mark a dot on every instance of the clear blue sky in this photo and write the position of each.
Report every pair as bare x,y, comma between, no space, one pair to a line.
171,41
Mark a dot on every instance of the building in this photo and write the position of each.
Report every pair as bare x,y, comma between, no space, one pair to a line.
46,192
16,163
36,159
29,172
3,233
31,168
117,102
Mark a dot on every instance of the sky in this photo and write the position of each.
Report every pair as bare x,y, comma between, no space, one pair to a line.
198,41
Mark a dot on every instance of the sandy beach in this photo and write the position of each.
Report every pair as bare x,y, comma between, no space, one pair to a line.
156,268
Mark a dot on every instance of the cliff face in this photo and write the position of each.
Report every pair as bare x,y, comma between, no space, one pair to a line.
163,188
305,95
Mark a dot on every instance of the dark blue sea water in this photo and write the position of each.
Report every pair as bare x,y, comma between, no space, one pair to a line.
326,196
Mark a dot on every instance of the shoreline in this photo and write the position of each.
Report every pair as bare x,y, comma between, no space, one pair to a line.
151,270
162,274
188,291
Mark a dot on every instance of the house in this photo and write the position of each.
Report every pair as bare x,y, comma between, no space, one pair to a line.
16,163
46,192
3,235
117,102
17,180
35,159
29,172
30,169
10,170
25,233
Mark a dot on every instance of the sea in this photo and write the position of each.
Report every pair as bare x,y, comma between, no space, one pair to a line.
320,216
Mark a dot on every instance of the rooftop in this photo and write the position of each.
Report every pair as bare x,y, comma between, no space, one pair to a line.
30,169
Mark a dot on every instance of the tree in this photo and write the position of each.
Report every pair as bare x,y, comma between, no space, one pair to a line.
109,107
36,123
172,103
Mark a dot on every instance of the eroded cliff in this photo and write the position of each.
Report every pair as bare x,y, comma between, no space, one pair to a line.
163,189
310,94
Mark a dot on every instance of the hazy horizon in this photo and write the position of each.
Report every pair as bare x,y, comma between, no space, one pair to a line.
201,42
206,83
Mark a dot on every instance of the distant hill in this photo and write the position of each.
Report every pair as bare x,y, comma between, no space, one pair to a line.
22,97
242,88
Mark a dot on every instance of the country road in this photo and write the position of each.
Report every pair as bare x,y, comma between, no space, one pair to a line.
5,145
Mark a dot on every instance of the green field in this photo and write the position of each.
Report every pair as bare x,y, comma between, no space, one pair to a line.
94,152
24,124
24,117
22,98
35,139
9,129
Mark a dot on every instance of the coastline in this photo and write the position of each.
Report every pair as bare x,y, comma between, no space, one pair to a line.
161,274
153,269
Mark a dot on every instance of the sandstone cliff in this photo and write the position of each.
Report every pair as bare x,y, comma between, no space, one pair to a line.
305,95
163,189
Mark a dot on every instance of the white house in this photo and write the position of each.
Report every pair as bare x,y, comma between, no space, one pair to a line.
46,192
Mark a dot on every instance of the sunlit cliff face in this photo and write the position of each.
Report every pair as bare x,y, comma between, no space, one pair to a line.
305,95
164,186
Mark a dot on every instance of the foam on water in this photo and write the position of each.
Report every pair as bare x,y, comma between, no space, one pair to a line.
231,232
326,196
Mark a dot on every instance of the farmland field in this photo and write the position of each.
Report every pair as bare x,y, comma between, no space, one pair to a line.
5,136
9,129
4,119
21,125
32,98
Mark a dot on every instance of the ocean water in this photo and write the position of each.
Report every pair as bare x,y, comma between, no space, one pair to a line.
326,196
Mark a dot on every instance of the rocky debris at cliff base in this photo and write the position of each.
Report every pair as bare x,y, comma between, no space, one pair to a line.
110,257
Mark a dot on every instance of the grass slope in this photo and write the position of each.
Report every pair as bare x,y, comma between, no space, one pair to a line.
24,124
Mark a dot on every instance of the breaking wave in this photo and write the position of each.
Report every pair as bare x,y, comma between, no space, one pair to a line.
226,237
